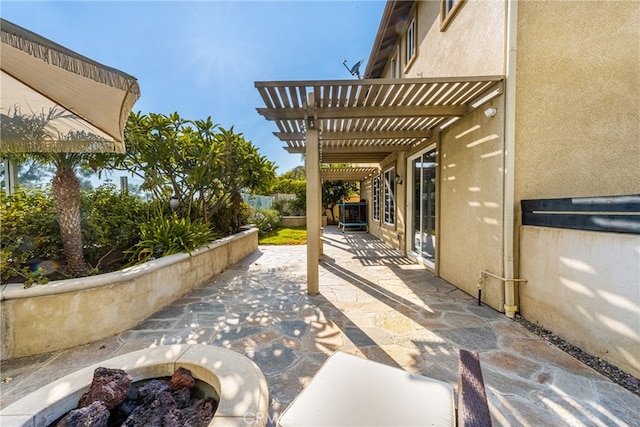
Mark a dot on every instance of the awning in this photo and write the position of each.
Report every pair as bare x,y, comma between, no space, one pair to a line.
363,121
85,103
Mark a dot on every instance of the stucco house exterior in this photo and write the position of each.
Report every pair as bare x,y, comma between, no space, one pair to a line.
501,141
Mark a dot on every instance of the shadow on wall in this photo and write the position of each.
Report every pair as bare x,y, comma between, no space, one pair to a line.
587,292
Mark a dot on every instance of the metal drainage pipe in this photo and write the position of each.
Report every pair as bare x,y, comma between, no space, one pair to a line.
509,306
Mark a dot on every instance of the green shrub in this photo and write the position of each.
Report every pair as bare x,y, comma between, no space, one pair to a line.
29,235
283,207
299,204
290,206
110,221
162,236
229,217
265,219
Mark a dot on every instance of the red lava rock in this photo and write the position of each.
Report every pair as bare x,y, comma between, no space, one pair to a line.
156,402
95,415
110,386
182,378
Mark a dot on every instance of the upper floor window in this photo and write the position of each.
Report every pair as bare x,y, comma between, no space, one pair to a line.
448,9
410,41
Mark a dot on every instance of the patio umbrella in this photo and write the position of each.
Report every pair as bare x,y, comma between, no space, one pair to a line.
83,104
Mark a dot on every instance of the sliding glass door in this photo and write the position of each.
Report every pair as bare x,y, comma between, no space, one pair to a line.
423,169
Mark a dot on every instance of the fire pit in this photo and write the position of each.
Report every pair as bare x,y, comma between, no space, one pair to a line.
239,383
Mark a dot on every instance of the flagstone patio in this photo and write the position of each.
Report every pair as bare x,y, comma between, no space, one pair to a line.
374,303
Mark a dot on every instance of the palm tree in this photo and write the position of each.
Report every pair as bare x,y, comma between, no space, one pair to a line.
32,130
66,198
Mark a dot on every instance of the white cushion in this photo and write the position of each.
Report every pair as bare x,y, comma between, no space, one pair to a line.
350,391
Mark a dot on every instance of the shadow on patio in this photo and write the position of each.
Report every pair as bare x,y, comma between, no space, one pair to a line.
374,303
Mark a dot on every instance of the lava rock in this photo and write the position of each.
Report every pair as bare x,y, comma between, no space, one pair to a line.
149,391
203,410
182,397
110,386
94,415
182,378
152,414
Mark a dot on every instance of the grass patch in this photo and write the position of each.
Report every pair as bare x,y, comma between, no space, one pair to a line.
285,236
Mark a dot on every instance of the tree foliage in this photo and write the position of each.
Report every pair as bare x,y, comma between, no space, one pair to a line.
34,132
202,164
31,242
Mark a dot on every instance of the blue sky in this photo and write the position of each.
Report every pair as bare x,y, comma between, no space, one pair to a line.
201,58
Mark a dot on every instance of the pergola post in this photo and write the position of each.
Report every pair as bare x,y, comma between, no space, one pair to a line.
313,200
10,177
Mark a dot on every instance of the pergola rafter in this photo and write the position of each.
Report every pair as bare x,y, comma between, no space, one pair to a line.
373,117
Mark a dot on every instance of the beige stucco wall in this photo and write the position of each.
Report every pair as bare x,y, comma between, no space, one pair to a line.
68,313
472,44
577,99
394,234
470,207
577,119
471,210
583,294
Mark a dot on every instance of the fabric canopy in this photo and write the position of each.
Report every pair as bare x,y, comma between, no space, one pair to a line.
82,104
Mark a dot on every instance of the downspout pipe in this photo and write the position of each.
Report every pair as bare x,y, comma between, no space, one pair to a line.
510,296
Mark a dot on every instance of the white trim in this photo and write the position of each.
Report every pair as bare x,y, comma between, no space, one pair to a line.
410,42
375,204
510,297
410,205
391,184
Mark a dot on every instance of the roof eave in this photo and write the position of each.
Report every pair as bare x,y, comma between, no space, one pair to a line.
386,34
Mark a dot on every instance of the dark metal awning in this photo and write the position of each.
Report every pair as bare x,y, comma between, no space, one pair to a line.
363,121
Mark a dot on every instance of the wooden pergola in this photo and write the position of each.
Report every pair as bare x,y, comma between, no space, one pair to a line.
363,122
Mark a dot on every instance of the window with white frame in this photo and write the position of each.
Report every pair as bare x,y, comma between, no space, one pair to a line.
410,41
389,196
376,199
448,9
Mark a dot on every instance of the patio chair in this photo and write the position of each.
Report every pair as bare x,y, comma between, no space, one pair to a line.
351,391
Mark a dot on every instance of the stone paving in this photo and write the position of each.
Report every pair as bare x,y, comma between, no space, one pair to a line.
374,303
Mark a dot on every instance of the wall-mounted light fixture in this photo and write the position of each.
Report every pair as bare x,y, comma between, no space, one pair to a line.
398,179
490,112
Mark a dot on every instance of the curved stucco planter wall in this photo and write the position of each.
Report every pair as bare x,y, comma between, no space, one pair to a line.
68,313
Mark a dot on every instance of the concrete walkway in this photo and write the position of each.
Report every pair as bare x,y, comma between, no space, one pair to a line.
374,303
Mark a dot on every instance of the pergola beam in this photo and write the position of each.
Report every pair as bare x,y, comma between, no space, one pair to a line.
356,149
355,135
375,112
